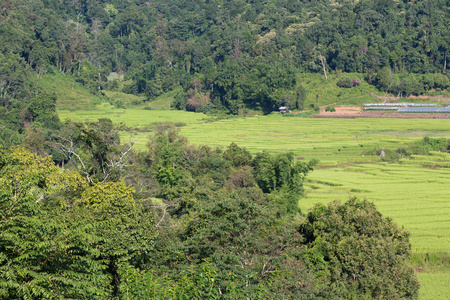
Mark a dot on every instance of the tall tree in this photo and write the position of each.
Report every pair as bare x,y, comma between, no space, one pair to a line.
354,248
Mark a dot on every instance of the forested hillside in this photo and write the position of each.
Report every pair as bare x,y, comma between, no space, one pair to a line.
226,55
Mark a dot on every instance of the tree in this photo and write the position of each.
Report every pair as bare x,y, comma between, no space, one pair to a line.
13,78
237,156
357,251
242,238
282,176
441,81
63,238
94,149
42,109
385,79
41,254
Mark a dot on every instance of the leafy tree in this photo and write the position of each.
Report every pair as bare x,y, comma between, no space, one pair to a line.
409,86
441,81
385,79
42,109
237,156
13,78
64,238
242,238
281,174
356,251
41,256
94,149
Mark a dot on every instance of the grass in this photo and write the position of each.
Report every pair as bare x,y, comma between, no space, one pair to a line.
74,96
133,117
324,92
332,141
415,197
433,160
434,285
137,118
433,271
70,95
123,100
163,102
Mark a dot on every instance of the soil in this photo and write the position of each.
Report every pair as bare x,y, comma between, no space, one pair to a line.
353,112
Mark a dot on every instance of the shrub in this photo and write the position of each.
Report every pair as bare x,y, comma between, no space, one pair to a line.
344,82
355,82
441,81
348,83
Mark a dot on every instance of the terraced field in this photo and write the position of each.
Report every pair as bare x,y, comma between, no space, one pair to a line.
414,197
433,160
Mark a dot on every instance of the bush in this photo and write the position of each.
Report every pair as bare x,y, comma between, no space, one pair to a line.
347,83
355,82
344,82
409,86
428,144
441,81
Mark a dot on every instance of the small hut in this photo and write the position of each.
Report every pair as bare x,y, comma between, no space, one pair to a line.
284,109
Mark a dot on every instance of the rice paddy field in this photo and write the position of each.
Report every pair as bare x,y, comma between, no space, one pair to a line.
415,192
414,197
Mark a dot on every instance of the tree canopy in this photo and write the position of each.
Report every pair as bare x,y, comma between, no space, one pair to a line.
226,55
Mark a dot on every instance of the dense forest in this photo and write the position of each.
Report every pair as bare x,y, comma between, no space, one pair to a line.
83,215
226,55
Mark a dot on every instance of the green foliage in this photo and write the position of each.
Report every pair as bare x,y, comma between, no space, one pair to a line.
427,144
61,237
252,251
354,247
218,225
199,281
239,63
42,109
420,148
248,57
330,109
282,174
41,255
237,156
94,149
14,82
21,102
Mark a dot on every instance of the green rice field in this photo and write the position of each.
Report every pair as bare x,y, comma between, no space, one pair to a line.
132,117
434,286
414,197
414,192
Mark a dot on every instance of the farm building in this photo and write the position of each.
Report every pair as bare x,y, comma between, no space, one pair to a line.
285,109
